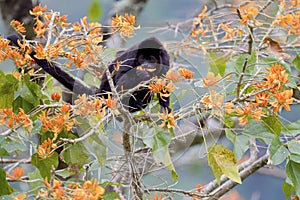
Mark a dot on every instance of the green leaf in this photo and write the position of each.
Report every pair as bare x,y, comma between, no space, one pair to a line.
19,102
13,145
293,173
7,88
278,152
5,187
35,175
64,173
294,147
109,54
240,142
111,196
45,165
159,143
287,190
29,95
291,129
273,123
95,11
76,154
222,160
3,152
296,62
36,129
91,80
259,130
295,157
217,64
99,145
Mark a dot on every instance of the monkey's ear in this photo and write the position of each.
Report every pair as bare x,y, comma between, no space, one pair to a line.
164,57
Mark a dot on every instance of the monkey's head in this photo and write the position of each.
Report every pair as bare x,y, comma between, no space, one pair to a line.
152,57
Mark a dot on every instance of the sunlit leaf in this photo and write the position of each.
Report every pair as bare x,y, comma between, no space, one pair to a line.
287,189
45,165
37,126
99,144
159,143
5,187
217,64
296,62
240,142
273,123
76,154
222,160
278,152
259,130
95,11
291,129
91,80
111,196
293,173
7,89
35,175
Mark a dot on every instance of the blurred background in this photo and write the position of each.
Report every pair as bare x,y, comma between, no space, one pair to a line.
154,15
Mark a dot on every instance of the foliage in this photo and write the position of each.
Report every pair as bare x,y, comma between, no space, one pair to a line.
249,83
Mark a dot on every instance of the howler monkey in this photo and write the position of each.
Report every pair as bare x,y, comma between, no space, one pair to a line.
139,63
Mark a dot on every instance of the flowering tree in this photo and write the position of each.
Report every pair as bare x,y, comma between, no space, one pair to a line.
252,55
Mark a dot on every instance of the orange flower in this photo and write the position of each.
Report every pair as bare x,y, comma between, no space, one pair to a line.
65,108
169,120
20,197
279,72
156,197
211,80
40,53
229,107
125,24
185,73
78,59
283,99
213,101
17,174
173,76
162,87
198,187
129,19
290,22
18,26
157,86
57,190
90,190
55,96
45,150
250,14
110,102
24,47
261,99
38,10
230,32
247,112
7,116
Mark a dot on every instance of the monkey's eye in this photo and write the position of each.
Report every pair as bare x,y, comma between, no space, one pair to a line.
141,59
152,59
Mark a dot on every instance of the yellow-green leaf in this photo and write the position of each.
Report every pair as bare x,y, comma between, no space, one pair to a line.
222,160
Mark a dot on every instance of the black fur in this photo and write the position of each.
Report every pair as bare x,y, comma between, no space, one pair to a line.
135,62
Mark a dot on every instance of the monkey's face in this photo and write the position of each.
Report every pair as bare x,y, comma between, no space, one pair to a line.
149,63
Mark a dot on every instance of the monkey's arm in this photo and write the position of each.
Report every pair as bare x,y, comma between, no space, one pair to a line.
56,72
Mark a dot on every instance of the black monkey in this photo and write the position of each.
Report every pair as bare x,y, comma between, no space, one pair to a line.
139,63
